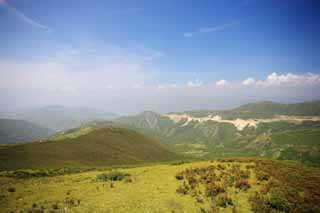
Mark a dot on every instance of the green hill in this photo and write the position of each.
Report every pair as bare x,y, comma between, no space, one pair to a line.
98,148
276,139
17,131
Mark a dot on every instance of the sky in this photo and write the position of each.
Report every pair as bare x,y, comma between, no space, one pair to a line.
163,55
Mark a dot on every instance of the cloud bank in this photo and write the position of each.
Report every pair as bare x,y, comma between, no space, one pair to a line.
123,81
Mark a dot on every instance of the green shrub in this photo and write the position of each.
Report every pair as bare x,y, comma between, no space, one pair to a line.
278,202
112,176
179,176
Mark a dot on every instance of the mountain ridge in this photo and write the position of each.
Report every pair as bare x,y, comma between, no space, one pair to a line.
256,129
98,148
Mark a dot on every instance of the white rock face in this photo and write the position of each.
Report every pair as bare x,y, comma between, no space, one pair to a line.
240,124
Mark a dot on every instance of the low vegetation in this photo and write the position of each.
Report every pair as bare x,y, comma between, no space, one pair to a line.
226,185
112,176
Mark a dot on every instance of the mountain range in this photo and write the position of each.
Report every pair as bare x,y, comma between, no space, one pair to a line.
264,129
269,129
60,118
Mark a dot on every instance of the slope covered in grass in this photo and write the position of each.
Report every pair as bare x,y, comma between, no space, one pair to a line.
101,147
278,139
234,185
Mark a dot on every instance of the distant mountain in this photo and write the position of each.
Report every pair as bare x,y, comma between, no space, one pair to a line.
281,131
17,131
98,148
264,109
61,118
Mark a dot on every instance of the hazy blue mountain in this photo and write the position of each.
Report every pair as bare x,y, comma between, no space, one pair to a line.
62,118
16,131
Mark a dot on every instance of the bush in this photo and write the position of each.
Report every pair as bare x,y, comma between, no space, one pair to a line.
182,190
192,181
11,189
278,202
27,174
242,184
221,167
244,174
199,199
259,203
179,163
223,200
179,176
72,201
249,166
212,190
112,176
55,206
261,176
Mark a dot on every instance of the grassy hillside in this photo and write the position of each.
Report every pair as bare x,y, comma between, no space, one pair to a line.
17,131
98,148
210,139
234,185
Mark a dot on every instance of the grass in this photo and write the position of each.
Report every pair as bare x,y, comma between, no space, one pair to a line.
74,133
206,186
99,148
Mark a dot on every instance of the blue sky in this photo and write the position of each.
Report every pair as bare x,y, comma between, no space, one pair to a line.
65,51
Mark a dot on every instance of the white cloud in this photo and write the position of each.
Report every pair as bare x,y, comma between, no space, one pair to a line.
196,83
82,69
206,30
288,79
292,79
248,81
221,83
119,80
20,15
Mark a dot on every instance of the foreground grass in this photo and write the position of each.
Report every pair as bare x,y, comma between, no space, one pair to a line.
155,188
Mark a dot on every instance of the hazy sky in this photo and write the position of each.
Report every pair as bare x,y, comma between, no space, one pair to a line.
163,55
